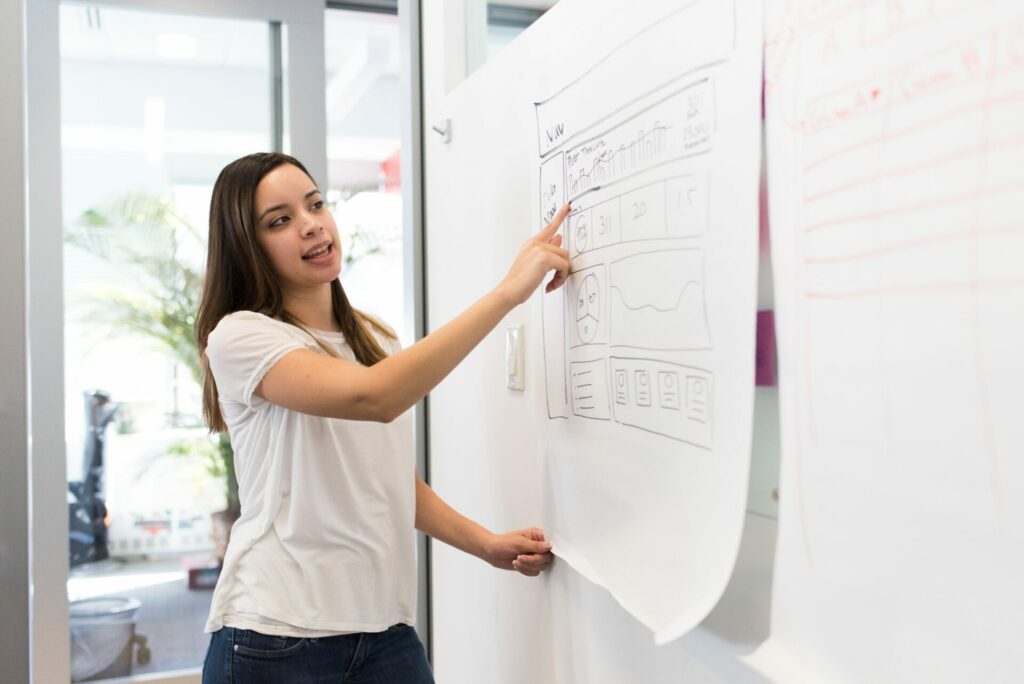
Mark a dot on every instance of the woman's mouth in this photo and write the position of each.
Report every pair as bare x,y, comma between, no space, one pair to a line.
319,253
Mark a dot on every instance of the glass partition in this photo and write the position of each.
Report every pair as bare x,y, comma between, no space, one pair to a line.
153,106
363,171
491,26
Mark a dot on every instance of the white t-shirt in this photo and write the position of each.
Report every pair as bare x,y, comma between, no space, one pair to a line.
326,541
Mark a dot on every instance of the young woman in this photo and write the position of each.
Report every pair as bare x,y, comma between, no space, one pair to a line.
319,580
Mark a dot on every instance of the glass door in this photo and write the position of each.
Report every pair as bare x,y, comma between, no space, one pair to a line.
152,107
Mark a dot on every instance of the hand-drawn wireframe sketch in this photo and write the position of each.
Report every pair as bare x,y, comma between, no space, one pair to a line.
588,309
686,205
657,301
639,183
580,232
680,125
552,190
590,389
704,34
588,324
650,128
665,398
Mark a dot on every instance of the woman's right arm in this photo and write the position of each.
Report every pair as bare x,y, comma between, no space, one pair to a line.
313,383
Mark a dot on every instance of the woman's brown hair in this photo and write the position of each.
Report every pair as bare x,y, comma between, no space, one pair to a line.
239,276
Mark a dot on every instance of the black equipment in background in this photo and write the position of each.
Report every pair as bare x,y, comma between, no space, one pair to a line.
87,511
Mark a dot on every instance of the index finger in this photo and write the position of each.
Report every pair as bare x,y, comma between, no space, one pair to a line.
549,230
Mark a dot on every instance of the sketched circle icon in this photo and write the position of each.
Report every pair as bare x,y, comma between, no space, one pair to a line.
579,236
588,308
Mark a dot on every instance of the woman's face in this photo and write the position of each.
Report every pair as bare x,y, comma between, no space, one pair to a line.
296,230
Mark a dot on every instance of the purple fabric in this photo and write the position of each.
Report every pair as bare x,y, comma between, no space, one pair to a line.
765,375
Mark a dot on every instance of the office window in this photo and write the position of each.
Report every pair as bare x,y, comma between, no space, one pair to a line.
363,144
507,20
153,106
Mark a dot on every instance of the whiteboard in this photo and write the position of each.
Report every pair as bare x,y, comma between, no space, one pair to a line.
896,172
648,121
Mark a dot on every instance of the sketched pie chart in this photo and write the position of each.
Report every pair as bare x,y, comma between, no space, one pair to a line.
588,308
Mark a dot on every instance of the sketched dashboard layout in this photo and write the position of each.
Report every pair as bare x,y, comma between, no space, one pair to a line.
623,343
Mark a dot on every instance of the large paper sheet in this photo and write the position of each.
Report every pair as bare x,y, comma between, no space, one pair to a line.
648,120
896,173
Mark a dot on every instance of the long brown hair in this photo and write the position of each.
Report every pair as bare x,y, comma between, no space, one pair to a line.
239,276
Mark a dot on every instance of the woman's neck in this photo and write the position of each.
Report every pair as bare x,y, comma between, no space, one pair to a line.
312,307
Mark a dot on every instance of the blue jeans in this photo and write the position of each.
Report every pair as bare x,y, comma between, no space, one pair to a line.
241,656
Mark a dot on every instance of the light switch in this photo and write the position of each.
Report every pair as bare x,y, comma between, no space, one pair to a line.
514,357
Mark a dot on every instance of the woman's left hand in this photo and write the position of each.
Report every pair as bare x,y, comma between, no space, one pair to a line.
525,551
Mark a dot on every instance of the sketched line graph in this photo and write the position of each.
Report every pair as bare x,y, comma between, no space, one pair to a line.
654,307
658,301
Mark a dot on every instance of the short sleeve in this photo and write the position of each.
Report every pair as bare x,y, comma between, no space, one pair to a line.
241,349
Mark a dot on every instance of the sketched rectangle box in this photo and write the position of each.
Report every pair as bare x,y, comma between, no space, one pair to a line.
589,389
667,399
657,301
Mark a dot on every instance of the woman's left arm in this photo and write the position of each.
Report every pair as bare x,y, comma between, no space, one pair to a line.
525,551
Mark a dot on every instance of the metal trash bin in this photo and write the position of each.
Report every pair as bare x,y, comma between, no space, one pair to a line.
103,638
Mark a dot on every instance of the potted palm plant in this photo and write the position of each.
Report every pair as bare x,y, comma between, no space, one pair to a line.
163,251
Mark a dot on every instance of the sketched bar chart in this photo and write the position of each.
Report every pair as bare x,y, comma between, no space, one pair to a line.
678,126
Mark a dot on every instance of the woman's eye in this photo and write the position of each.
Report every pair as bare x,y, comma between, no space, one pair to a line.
279,221
319,204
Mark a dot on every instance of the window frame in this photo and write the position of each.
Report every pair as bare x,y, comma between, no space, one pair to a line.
35,568
48,626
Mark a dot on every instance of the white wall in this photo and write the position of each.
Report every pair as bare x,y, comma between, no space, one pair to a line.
498,627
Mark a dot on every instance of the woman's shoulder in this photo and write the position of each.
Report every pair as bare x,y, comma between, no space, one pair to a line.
249,323
247,316
240,320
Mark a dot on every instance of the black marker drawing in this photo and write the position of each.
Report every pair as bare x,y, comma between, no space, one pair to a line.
674,208
586,297
637,171
583,103
665,398
658,303
676,127
590,389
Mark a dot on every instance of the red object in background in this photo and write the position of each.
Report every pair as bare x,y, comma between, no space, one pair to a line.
203,571
392,168
765,374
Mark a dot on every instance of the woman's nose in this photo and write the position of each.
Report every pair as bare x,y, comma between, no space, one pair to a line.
310,226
